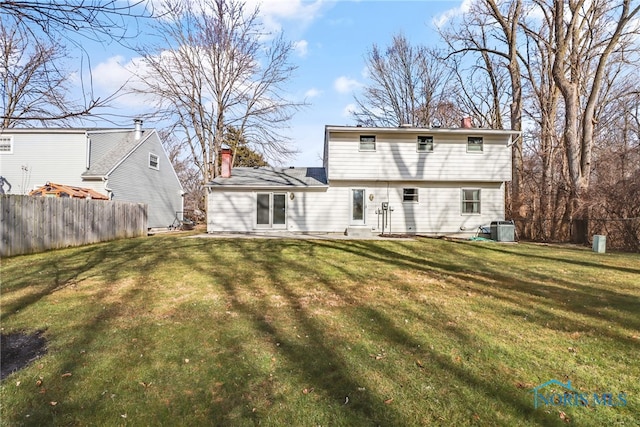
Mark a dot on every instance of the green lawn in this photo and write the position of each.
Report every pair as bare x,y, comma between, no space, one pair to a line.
176,331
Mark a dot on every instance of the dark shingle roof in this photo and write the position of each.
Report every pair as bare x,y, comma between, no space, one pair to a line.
120,144
272,177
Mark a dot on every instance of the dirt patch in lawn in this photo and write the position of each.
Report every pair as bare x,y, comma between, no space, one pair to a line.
17,350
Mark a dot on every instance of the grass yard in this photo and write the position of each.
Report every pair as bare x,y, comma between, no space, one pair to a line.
180,331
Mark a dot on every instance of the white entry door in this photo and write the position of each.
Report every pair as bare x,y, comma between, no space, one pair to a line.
357,206
271,210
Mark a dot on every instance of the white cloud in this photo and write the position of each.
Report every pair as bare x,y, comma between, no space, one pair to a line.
301,47
273,12
442,19
111,74
344,84
348,110
117,74
312,93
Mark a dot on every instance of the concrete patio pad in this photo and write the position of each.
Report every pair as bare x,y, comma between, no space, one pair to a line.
298,236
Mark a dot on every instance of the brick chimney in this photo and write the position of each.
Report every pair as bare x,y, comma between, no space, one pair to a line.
225,154
466,123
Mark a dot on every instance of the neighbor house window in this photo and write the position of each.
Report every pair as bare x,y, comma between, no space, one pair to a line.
470,201
409,194
154,161
6,145
367,143
474,144
425,144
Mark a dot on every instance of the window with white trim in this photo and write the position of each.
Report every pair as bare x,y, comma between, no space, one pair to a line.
367,143
6,144
425,144
471,201
154,161
475,144
409,194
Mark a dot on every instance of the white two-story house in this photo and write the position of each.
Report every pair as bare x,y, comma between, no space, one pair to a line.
431,181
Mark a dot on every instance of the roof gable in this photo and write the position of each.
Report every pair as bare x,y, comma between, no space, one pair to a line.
110,149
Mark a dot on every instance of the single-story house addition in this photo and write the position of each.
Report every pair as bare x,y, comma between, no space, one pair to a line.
430,181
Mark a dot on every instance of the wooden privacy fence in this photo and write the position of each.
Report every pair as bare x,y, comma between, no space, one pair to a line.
35,224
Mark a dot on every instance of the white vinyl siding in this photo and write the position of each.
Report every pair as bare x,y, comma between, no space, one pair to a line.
396,159
38,157
160,190
328,210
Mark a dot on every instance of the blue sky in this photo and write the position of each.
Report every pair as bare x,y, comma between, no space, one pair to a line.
332,39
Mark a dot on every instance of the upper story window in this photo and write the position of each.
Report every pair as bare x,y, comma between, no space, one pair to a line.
6,144
475,144
367,143
409,194
470,201
154,161
425,144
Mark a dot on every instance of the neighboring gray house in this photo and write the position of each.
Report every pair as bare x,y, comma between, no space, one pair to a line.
124,164
404,180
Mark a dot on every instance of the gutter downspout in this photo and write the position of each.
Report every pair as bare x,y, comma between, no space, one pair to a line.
106,187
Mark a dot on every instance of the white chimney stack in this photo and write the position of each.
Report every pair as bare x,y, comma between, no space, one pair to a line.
138,128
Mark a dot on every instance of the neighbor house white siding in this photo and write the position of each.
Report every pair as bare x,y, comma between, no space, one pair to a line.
134,181
39,157
60,156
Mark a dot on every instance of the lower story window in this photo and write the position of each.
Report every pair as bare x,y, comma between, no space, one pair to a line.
470,201
409,194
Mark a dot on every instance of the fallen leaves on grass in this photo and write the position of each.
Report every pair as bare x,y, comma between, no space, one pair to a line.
388,401
524,385
564,417
307,390
66,375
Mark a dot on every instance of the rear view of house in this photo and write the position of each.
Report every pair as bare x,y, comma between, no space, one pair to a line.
400,180
127,165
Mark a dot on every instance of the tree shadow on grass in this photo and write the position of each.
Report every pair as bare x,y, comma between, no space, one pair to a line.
323,364
66,267
532,288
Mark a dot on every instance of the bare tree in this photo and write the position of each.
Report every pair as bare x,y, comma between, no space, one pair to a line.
587,34
491,32
35,85
215,69
407,86
95,19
